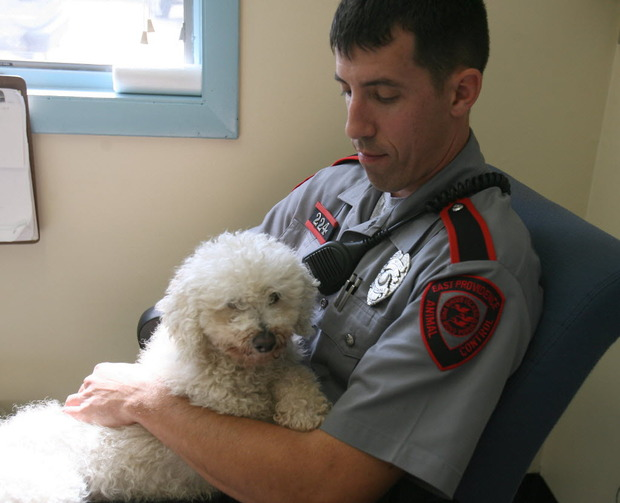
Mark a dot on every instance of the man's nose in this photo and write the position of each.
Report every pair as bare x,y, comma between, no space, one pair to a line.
360,123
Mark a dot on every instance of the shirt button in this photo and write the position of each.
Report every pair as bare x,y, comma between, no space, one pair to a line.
324,303
349,340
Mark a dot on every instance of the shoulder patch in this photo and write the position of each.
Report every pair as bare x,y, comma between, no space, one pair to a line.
468,233
458,316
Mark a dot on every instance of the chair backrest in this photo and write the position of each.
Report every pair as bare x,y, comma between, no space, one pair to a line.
581,278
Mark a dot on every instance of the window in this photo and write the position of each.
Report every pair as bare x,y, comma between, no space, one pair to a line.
72,91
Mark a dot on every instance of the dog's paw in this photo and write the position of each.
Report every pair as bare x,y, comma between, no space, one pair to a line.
299,403
302,420
303,415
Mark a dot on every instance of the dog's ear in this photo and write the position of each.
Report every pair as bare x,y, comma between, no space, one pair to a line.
180,313
305,322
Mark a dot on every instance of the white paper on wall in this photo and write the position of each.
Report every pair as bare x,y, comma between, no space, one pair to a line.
18,220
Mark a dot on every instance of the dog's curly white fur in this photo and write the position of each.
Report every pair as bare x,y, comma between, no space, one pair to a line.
226,341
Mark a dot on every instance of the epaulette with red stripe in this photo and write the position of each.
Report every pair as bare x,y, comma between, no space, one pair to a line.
344,160
468,232
460,313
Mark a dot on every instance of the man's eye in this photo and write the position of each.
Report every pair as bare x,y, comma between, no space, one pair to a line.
386,99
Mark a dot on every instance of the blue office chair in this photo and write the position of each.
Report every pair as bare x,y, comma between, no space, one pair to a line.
581,278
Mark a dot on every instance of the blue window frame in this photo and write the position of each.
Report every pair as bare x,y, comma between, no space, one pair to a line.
84,102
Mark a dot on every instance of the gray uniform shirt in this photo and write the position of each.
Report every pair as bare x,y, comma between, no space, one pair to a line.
415,375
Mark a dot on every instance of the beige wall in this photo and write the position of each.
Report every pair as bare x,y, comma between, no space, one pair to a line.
117,214
580,460
603,208
541,111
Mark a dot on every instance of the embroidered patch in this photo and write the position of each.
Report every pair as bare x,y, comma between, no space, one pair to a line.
458,317
321,223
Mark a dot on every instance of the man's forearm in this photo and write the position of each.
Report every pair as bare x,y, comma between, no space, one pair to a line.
253,461
258,462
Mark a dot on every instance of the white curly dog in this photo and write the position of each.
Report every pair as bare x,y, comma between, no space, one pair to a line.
226,341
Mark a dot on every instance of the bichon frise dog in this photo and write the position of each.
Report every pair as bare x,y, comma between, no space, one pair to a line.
226,341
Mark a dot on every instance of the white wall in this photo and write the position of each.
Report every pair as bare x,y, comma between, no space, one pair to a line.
117,214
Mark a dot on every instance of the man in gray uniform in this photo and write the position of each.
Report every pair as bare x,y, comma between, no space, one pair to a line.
414,349
418,344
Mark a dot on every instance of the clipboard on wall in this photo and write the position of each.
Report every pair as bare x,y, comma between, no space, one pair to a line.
18,208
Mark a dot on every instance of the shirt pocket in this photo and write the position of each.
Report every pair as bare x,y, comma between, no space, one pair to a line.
297,236
346,335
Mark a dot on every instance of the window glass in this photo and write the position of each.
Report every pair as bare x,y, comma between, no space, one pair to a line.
94,32
66,51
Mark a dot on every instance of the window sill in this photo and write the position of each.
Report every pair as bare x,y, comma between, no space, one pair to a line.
108,113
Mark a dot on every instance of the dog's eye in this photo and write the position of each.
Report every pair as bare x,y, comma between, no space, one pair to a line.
273,298
233,306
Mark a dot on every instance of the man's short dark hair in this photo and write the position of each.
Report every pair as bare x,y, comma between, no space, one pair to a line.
448,33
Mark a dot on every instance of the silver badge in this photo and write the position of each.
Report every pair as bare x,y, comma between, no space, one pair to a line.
389,279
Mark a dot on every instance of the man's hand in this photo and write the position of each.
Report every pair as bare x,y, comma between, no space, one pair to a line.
111,394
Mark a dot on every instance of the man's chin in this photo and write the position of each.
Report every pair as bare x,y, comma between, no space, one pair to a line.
377,179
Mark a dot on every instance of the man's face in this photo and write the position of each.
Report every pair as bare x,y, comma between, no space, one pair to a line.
398,122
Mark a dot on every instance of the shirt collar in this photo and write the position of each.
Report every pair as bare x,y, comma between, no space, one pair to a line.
469,162
362,196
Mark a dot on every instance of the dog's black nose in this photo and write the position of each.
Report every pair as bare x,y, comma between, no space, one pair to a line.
264,342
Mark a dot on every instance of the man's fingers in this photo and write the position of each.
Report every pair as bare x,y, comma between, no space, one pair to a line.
73,400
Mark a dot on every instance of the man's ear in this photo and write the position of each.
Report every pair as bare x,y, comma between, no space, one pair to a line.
466,85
